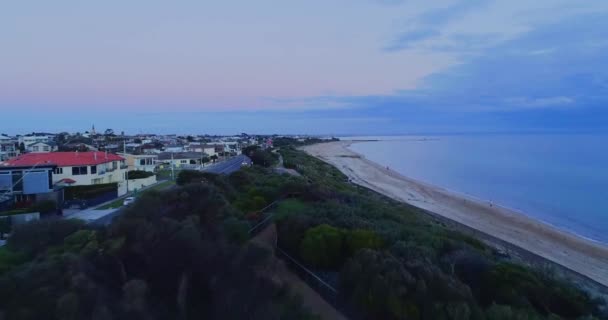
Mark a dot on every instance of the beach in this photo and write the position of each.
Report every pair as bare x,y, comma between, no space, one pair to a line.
580,255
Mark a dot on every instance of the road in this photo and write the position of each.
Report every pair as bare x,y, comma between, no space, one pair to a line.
226,167
229,166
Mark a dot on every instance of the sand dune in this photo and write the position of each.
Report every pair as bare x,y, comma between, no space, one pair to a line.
583,256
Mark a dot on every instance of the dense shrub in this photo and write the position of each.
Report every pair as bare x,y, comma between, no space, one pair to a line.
189,176
323,246
139,174
35,237
455,276
44,207
175,256
89,192
260,157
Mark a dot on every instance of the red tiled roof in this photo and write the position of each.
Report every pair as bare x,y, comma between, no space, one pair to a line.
64,159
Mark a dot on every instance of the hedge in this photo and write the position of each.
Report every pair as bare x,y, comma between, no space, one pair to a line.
89,192
139,174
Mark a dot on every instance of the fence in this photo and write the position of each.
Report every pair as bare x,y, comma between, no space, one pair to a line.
265,222
328,292
137,184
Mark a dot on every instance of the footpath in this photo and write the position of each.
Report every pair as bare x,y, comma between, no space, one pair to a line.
310,298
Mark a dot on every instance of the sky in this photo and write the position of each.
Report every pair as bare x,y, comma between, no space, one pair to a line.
368,67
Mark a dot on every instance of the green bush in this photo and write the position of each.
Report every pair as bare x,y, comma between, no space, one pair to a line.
9,259
322,246
44,207
34,237
358,239
189,176
89,192
139,174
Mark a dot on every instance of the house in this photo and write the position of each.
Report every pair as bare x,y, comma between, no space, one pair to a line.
140,162
174,148
41,147
180,160
78,168
207,149
28,184
32,138
8,148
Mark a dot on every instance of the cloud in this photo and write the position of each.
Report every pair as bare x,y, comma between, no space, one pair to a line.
546,102
408,39
428,25
389,2
554,76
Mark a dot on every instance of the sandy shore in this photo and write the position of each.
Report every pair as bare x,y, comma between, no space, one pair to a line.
580,255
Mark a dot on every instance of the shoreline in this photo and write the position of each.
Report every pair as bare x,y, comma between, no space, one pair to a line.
582,256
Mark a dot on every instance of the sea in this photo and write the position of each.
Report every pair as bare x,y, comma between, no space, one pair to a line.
559,179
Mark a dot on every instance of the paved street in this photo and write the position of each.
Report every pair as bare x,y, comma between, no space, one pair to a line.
229,166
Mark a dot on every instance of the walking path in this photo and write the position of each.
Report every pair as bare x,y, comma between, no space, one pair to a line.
310,298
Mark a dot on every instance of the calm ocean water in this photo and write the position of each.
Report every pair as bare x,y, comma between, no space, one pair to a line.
559,179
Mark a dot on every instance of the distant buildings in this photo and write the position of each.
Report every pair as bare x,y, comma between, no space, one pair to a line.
8,148
33,138
42,147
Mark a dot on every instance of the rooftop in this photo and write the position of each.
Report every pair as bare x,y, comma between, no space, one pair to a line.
64,159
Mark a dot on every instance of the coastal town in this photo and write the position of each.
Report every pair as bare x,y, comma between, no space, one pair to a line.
90,175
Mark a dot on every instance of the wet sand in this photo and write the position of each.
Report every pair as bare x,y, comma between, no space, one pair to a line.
583,256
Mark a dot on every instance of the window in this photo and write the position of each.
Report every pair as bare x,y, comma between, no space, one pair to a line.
46,148
17,181
184,161
58,171
97,181
77,171
93,169
142,162
35,148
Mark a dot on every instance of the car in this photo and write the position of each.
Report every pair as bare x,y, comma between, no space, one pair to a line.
128,201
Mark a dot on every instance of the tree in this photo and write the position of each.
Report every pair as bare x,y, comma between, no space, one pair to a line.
322,246
360,239
214,158
109,132
22,147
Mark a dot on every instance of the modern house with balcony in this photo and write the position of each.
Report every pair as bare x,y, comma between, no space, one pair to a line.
181,160
140,162
77,168
28,184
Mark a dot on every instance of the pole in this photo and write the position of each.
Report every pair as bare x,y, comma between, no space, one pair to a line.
124,147
172,168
